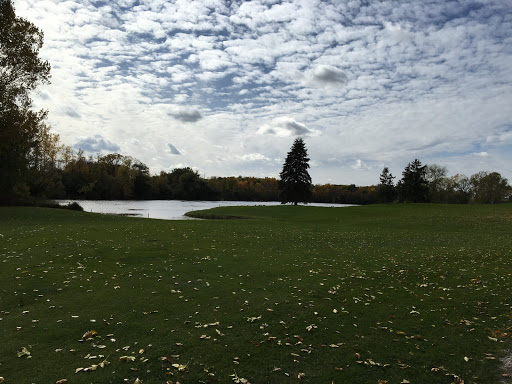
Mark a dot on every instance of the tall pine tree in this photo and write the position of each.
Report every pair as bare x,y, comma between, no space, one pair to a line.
295,183
386,188
413,188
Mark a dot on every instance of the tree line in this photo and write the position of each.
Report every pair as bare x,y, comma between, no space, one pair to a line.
431,184
58,172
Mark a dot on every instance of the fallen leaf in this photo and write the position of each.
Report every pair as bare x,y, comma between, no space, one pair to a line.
127,358
180,367
239,380
89,334
24,352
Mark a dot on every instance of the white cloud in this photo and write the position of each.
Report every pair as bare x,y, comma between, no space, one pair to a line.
359,164
325,76
285,127
254,157
173,150
96,144
505,137
185,114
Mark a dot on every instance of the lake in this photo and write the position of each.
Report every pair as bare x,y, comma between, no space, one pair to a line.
167,209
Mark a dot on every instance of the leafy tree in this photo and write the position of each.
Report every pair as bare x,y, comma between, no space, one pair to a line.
244,188
489,188
437,182
413,187
21,71
295,183
45,179
142,182
458,189
76,175
386,188
186,184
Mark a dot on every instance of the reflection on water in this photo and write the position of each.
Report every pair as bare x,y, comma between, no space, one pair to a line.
165,209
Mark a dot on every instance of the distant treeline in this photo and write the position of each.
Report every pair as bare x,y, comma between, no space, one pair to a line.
118,177
431,184
55,171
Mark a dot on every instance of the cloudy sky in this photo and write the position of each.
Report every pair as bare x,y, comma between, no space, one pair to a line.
225,86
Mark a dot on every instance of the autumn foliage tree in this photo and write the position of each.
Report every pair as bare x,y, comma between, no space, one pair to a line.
489,188
295,183
21,71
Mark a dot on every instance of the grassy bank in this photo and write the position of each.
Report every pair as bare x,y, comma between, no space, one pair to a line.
294,294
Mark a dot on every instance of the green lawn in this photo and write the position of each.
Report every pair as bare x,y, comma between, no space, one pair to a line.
373,294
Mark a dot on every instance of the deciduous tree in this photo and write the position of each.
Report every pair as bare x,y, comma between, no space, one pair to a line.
489,188
21,71
435,175
458,189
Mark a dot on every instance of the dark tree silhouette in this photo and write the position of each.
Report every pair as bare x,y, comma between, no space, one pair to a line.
386,188
295,183
413,187
21,70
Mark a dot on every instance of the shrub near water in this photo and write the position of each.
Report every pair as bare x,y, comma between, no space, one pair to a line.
362,295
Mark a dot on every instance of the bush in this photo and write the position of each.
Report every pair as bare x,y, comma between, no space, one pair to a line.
74,206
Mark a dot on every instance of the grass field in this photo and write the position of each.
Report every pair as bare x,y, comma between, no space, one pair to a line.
374,294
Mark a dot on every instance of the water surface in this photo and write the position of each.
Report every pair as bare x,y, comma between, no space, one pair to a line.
166,209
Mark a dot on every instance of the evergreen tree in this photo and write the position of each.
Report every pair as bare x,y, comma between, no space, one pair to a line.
386,188
295,183
413,187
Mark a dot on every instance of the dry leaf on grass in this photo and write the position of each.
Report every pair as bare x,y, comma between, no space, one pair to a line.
180,367
24,352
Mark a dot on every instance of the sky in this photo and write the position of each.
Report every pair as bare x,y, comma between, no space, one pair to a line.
225,86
